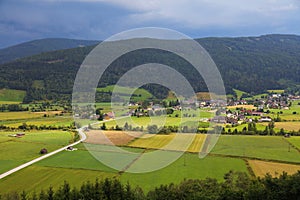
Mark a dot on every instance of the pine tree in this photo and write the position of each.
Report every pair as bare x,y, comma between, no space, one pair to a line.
23,195
50,193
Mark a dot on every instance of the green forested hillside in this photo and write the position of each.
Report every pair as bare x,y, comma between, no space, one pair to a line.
255,64
250,64
40,46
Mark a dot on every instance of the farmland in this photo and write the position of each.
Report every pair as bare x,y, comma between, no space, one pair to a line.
11,96
18,115
163,120
261,168
81,165
290,126
67,166
268,148
40,121
188,166
114,137
161,142
258,154
51,118
125,92
38,178
295,141
15,151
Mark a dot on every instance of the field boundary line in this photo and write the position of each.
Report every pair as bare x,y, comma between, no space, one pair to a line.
131,163
254,158
291,144
249,168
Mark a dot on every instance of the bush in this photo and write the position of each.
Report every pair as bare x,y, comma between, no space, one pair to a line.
43,151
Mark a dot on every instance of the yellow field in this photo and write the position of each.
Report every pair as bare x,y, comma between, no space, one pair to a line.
242,106
9,102
19,115
290,126
197,143
261,168
174,142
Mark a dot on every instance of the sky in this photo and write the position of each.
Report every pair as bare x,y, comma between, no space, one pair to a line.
25,20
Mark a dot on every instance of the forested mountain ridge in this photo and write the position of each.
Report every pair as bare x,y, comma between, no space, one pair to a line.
39,46
251,64
254,64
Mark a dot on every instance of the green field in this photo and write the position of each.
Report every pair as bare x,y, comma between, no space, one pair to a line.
259,126
289,114
4,116
9,95
263,147
239,93
80,159
47,121
189,166
124,92
295,141
15,119
36,178
160,120
79,166
15,151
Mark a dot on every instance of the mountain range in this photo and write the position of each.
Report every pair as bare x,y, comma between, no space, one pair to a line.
250,64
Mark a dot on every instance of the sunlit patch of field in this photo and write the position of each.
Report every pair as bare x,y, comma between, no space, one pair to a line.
47,121
182,142
19,115
261,168
276,91
250,107
289,126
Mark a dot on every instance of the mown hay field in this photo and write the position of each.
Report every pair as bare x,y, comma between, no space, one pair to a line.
261,168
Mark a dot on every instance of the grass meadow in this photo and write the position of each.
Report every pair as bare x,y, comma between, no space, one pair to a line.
15,151
295,141
9,95
36,178
189,166
262,147
125,92
80,166
160,120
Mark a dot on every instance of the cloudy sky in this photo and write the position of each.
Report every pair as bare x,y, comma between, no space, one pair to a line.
23,20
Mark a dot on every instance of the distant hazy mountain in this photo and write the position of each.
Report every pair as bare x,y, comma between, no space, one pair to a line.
39,46
250,64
